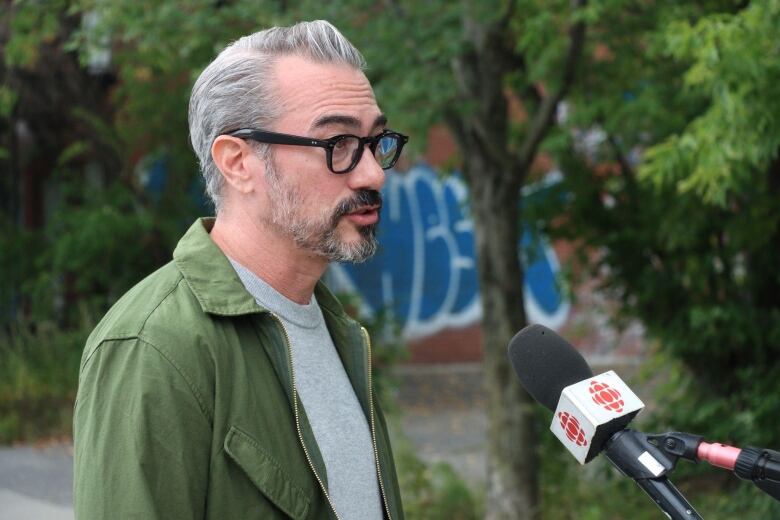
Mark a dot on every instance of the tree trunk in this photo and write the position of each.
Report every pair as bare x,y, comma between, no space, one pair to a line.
512,487
495,174
494,186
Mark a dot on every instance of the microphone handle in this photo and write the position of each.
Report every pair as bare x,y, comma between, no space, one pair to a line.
758,464
631,453
762,467
772,468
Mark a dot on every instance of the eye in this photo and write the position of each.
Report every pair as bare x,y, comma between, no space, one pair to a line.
341,145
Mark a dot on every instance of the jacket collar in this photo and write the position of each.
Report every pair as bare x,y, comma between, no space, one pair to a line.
215,283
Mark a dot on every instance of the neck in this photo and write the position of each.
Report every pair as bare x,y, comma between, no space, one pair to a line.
277,260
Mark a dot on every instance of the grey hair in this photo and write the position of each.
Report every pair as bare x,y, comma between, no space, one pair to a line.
236,89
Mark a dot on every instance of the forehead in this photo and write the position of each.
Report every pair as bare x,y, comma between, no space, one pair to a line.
309,91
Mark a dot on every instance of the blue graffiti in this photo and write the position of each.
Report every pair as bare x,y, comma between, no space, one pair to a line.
424,273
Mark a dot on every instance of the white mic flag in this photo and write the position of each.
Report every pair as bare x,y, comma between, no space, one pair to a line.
591,411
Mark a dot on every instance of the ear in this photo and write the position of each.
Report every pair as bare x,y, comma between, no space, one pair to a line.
237,161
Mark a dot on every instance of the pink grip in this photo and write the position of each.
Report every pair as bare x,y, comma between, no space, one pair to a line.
719,455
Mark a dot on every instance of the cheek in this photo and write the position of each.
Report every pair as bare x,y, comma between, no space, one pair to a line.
304,162
323,203
323,193
319,191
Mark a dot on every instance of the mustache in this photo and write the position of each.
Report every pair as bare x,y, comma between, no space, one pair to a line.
362,198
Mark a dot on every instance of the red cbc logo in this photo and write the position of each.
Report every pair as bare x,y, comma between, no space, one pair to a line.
571,426
606,396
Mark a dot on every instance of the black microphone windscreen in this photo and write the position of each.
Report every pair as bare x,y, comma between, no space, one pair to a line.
546,363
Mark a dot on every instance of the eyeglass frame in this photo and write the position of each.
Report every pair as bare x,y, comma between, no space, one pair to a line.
266,137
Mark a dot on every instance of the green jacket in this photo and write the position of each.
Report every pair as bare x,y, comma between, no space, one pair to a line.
186,406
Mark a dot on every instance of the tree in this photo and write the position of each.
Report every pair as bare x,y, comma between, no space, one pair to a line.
689,237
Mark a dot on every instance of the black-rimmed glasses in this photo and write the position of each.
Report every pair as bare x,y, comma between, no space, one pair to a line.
343,152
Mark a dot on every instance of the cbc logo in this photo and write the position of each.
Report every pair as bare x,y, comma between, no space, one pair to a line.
571,426
606,396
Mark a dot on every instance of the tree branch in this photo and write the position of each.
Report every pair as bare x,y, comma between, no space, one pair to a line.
546,114
626,171
478,74
503,22
625,166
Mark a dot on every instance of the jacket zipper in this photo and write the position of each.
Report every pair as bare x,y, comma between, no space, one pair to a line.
297,420
373,428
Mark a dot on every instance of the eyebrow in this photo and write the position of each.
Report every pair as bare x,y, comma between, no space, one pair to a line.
348,121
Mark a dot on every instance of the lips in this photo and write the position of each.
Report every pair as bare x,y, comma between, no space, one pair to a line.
362,209
365,209
365,215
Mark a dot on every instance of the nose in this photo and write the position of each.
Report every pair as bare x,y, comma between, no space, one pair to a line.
368,174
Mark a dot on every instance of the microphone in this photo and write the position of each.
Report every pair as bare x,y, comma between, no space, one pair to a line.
592,412
587,409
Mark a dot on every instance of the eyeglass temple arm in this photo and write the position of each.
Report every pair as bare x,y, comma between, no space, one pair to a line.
276,138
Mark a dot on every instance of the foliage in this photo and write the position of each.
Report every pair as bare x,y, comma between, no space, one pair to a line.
431,491
731,61
89,244
688,248
38,373
120,119
15,244
157,51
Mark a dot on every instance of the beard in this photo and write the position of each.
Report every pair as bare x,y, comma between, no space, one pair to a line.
319,234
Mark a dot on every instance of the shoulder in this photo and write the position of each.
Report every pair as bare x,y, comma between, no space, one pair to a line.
160,310
127,317
155,328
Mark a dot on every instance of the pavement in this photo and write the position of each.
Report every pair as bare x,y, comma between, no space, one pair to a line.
443,415
36,483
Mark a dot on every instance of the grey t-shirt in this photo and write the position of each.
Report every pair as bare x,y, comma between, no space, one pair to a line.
339,425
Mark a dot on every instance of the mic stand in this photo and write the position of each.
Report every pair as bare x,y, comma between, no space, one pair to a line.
633,454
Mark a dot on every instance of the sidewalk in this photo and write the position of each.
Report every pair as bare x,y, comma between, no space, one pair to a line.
36,483
443,414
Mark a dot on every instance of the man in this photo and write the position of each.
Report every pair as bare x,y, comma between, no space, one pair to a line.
230,384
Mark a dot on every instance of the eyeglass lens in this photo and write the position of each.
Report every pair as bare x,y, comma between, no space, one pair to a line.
386,150
347,152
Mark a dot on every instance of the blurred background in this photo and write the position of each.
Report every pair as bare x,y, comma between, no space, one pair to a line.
608,168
